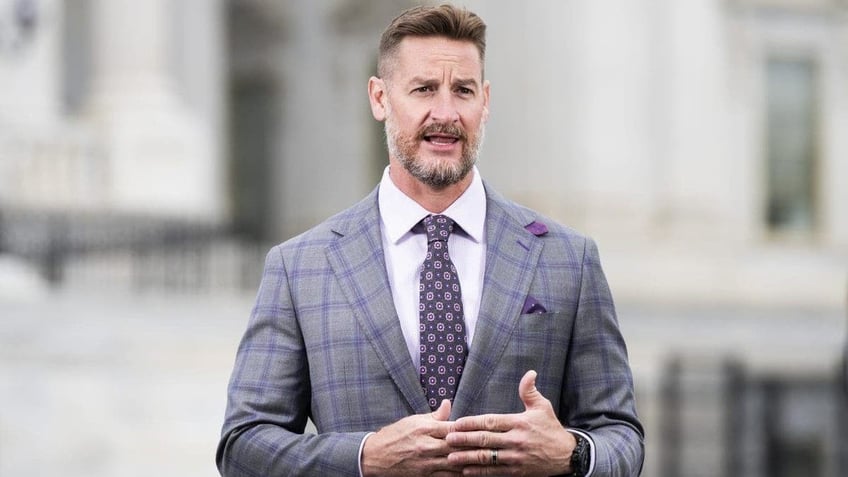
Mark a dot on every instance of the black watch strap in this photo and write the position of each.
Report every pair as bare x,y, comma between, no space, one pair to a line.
580,456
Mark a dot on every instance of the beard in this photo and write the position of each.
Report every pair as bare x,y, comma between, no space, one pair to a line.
437,173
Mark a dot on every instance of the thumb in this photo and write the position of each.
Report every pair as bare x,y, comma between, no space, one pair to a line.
530,396
443,412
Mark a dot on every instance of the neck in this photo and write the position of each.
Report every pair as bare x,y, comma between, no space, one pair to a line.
435,201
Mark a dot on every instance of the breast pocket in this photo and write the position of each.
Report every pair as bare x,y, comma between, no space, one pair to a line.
540,342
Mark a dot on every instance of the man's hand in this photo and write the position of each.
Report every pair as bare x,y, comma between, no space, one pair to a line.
530,443
414,445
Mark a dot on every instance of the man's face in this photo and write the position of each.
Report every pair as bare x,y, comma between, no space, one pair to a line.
435,103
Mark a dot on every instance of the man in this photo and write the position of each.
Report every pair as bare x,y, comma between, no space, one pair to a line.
500,357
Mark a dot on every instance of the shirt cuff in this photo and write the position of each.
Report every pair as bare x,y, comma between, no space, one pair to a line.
591,449
361,447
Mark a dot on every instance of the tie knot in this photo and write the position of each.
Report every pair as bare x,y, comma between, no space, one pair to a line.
438,227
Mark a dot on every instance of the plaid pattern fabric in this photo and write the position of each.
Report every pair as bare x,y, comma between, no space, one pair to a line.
323,342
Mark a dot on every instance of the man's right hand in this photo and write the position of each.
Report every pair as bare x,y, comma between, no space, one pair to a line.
414,445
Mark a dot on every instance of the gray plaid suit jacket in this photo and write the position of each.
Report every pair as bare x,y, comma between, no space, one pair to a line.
324,342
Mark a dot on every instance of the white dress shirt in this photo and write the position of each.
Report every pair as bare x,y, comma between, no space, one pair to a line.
405,251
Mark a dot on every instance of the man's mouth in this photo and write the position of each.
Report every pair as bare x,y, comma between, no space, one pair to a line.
442,134
441,139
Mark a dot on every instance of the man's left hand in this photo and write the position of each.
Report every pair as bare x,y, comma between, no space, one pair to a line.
529,443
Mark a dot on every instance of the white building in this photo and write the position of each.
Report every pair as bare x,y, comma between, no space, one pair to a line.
704,143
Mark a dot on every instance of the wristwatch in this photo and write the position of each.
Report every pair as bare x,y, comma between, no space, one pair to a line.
580,457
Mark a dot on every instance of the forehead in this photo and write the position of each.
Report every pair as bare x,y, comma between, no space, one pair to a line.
431,55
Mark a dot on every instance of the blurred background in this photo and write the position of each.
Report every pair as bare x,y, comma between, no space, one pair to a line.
152,151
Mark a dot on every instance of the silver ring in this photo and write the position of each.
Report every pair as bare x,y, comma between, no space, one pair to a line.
494,456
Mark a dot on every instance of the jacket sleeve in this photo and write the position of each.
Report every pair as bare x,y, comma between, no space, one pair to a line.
268,398
598,396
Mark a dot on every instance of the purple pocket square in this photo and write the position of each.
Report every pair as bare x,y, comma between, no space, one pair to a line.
532,306
537,228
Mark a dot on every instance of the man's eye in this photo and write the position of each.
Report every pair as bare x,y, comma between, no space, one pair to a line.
423,89
464,91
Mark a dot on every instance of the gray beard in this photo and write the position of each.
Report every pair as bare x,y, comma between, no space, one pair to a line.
437,176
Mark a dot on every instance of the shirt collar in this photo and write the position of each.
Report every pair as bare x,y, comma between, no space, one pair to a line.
400,213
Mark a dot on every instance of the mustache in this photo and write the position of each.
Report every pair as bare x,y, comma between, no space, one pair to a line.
442,128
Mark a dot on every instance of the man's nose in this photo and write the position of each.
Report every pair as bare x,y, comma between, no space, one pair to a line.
444,107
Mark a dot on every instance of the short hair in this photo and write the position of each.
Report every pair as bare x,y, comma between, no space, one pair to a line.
428,21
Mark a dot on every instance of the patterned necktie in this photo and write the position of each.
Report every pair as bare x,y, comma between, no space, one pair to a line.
441,322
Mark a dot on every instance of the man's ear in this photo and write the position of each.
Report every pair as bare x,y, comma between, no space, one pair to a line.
377,95
486,88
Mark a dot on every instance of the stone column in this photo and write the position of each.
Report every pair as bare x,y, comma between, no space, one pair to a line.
324,160
834,173
30,66
703,186
30,101
613,114
308,135
160,153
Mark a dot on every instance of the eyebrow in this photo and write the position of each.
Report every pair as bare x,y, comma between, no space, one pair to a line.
466,82
432,82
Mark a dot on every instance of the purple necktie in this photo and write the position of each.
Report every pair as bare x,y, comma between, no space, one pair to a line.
441,322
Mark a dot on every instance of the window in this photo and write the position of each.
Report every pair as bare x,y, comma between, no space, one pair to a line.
792,145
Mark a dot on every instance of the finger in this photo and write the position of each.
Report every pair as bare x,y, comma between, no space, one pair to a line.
435,466
442,413
433,446
478,439
471,457
487,470
439,432
485,422
480,459
530,396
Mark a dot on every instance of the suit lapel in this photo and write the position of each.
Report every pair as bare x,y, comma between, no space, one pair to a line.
358,262
511,257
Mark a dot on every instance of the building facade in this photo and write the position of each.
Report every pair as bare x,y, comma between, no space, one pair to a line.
703,143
